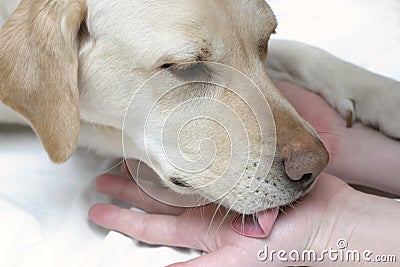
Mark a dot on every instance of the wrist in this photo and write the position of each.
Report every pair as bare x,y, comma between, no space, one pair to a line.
348,153
361,229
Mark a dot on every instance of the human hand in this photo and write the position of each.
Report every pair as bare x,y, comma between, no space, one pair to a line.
359,155
209,228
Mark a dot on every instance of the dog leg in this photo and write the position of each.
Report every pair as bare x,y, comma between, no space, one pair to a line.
356,93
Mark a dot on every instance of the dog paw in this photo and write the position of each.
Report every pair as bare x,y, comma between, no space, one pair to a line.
378,108
381,110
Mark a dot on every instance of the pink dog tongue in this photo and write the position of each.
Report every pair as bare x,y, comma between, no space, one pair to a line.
258,226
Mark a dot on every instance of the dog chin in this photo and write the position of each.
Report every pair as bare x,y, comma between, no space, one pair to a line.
241,199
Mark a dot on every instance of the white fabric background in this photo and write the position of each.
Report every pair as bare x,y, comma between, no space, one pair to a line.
43,207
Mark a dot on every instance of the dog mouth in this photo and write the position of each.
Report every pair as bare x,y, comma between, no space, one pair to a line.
258,225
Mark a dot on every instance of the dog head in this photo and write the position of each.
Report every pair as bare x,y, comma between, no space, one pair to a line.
105,61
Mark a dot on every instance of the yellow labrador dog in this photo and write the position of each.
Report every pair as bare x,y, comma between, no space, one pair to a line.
96,72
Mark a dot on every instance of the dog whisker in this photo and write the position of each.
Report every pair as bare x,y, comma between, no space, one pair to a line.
212,218
225,216
243,218
282,209
140,192
114,166
198,204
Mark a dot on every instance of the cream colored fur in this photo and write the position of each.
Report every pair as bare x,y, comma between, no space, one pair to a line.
62,80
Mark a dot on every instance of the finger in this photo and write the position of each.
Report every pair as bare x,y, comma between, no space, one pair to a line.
128,191
227,257
149,228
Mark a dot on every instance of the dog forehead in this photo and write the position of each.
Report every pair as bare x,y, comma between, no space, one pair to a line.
147,29
132,18
155,29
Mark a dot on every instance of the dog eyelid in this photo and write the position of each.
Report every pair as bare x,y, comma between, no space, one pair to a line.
166,66
180,66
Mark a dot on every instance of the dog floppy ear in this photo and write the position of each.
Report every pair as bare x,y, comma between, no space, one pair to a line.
39,70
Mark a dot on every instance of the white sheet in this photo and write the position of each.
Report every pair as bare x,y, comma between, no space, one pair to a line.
43,207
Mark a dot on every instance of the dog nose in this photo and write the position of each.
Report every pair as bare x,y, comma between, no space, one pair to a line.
304,157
